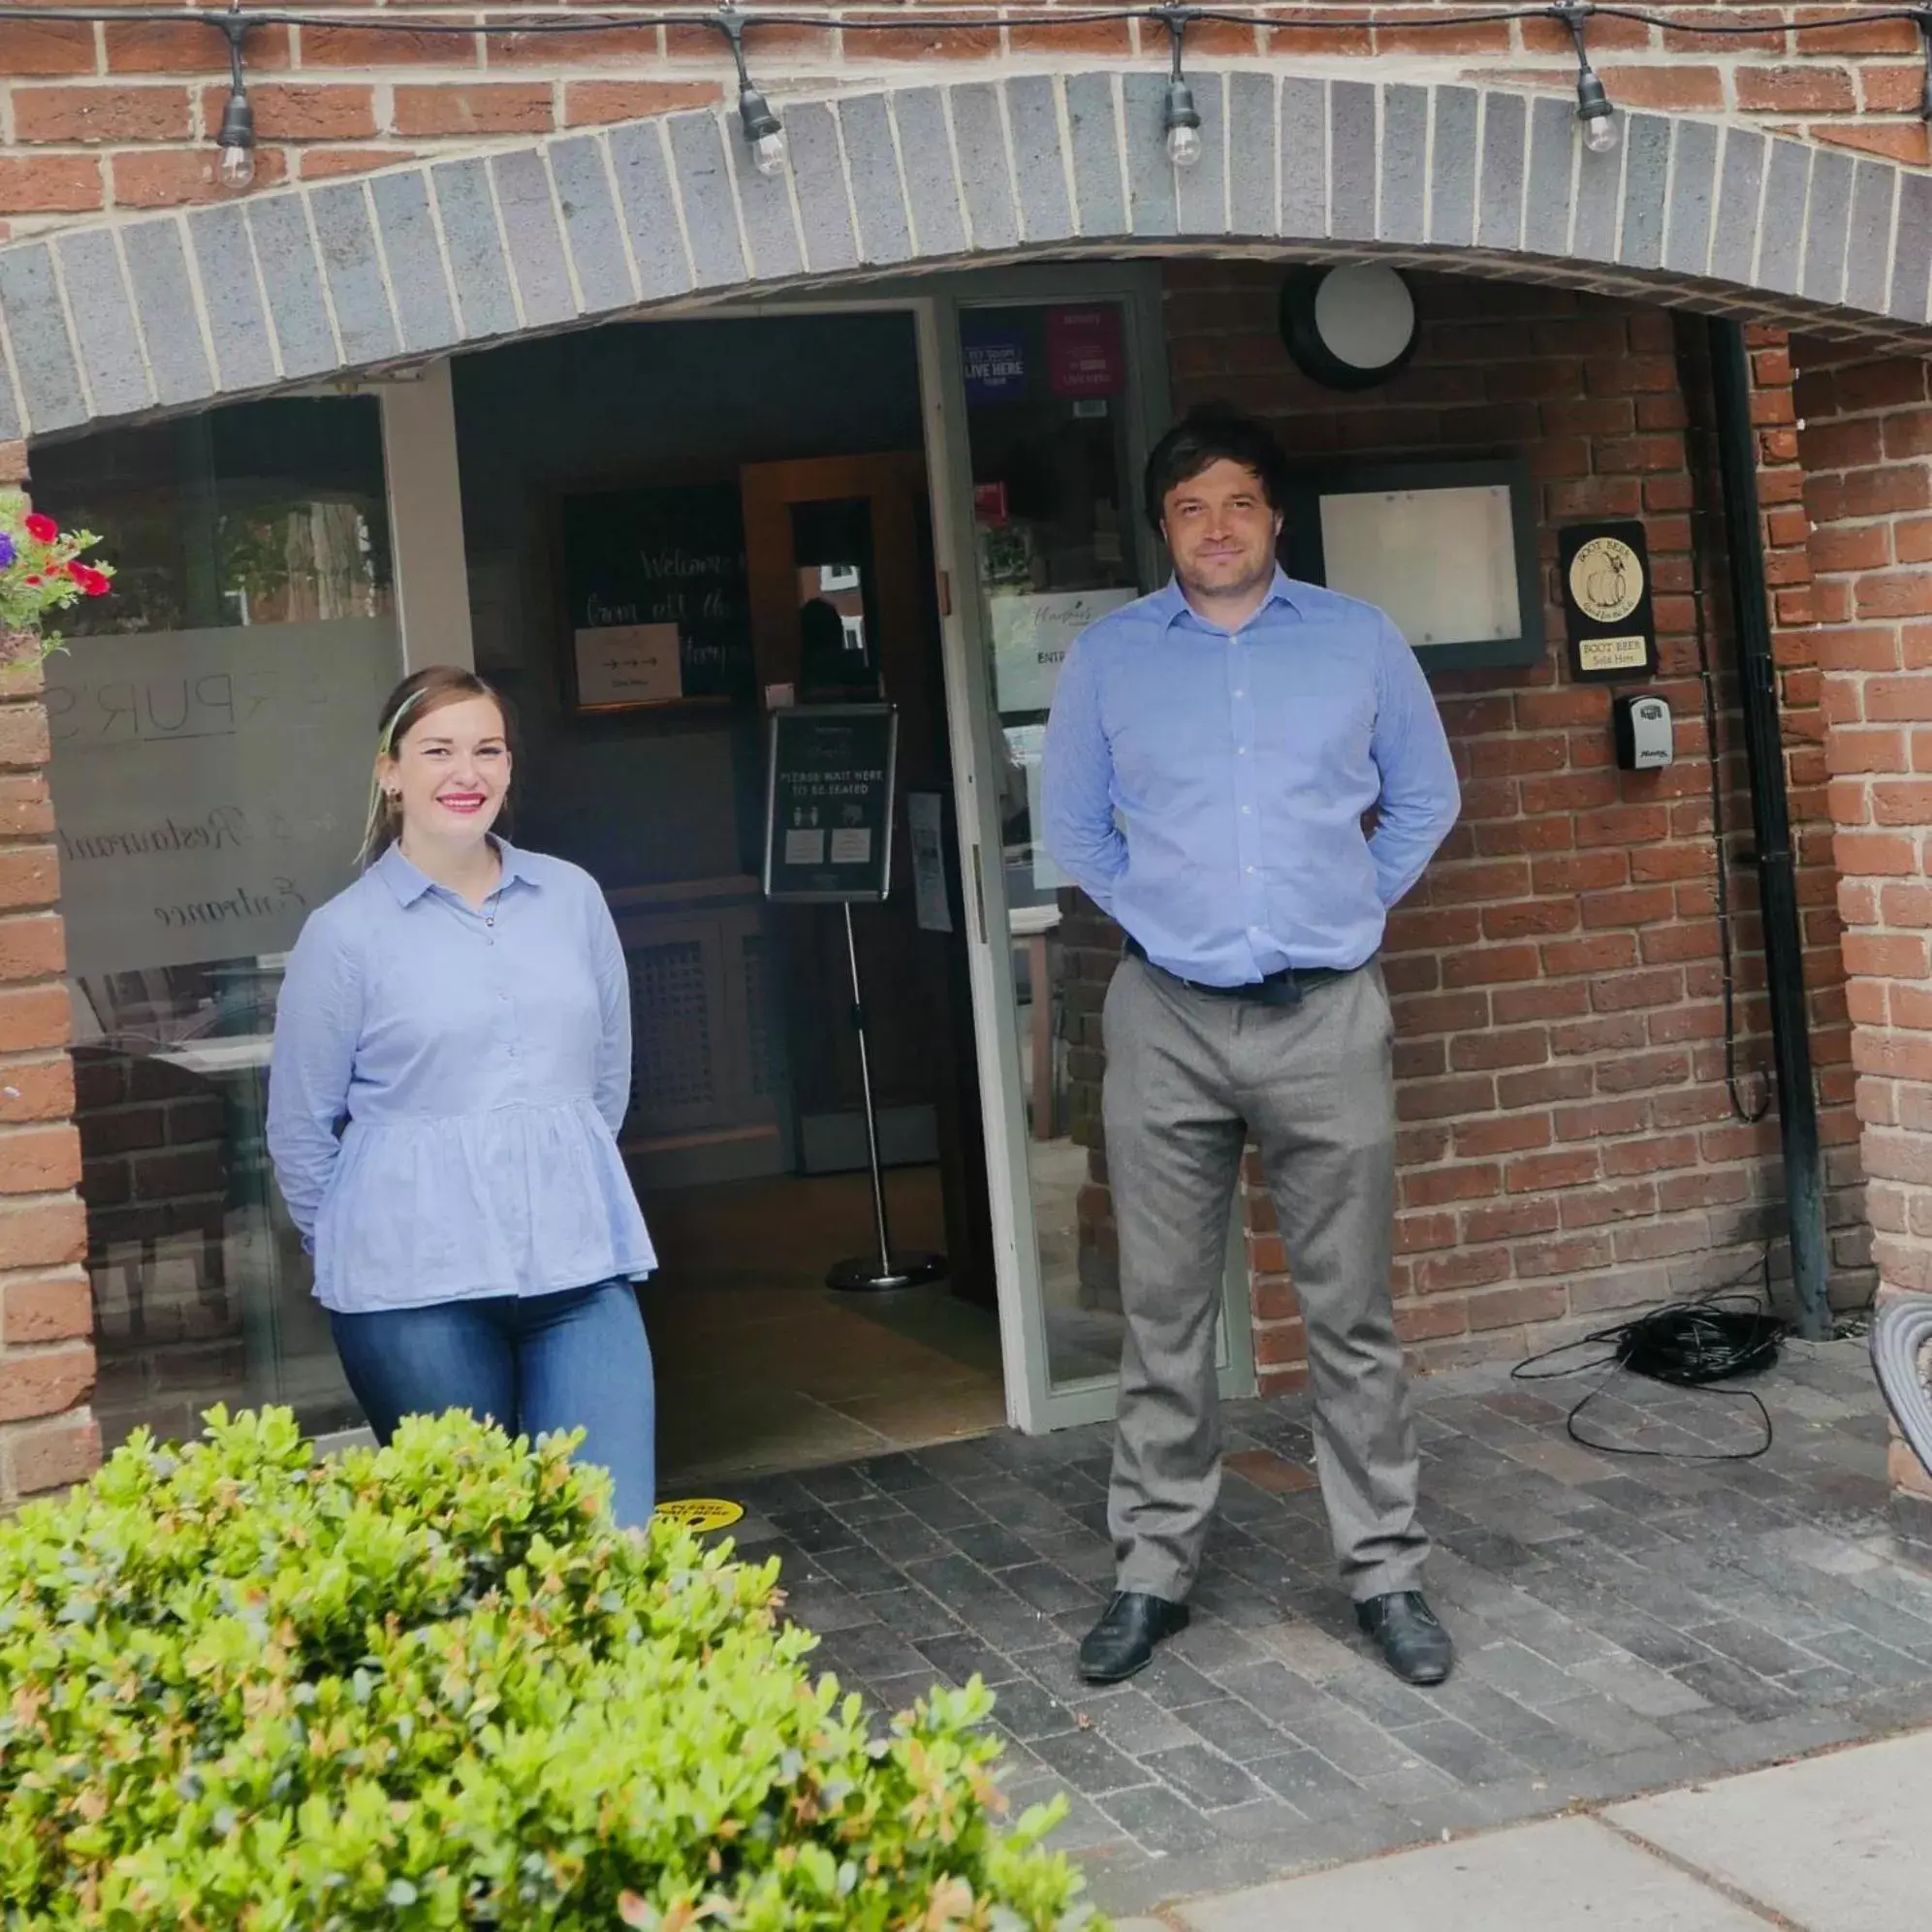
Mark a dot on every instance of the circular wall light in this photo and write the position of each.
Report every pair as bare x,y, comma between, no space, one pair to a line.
1349,327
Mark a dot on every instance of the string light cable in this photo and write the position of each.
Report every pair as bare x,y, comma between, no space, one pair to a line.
1716,1337
764,131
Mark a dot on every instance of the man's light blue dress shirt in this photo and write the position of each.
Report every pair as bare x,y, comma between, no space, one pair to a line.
1208,789
481,1063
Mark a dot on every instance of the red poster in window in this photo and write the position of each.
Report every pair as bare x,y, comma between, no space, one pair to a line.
989,502
1085,351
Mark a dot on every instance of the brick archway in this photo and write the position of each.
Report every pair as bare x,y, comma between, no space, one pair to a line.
110,321
107,321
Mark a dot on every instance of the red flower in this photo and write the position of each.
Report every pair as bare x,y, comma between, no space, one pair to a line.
32,577
90,581
42,530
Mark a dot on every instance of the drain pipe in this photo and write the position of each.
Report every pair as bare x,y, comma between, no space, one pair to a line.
1777,874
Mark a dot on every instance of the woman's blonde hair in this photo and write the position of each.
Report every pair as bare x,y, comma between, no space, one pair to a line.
413,700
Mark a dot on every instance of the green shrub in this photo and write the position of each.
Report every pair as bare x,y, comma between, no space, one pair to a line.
431,1686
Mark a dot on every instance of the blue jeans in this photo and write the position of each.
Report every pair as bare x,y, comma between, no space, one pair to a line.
575,1360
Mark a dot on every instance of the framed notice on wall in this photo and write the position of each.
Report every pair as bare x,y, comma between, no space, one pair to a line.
1605,570
828,802
659,604
1448,549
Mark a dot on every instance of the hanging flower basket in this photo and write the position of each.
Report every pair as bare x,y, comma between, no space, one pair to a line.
41,572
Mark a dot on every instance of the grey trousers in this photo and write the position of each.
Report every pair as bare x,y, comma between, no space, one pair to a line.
1190,1078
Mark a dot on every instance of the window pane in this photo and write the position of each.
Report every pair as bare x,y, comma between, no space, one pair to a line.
213,723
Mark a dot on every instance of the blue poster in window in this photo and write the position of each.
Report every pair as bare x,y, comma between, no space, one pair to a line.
994,363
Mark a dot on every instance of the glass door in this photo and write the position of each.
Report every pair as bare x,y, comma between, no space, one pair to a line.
1053,388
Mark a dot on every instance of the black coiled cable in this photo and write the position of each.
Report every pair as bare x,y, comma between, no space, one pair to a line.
1718,1336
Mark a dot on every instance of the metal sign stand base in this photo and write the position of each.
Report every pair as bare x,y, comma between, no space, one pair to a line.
885,1271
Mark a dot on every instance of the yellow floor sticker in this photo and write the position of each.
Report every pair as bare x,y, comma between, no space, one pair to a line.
702,1512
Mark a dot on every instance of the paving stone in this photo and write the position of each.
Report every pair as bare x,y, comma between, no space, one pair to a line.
1348,1740
822,1606
1132,1722
1837,1844
1382,1697
940,1507
839,1482
1875,1663
1619,1630
861,1570
912,1613
814,1530
1159,1819
1049,1588
1756,1649
1739,1691
1085,1828
1089,1762
1308,1781
1608,1726
962,1657
1029,1711
1484,1882
870,1650
1466,1754
1235,1728
1204,1777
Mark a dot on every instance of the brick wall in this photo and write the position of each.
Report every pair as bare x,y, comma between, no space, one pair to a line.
121,114
1865,437
1569,1142
47,1365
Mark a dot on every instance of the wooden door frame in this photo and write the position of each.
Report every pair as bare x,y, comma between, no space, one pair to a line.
769,489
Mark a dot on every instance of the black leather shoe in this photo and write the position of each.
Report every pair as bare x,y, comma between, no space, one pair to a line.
1122,1641
1412,1643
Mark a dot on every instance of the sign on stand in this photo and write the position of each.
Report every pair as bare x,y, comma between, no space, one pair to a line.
827,803
828,837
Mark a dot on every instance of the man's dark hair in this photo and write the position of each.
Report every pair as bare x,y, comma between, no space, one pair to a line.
1211,433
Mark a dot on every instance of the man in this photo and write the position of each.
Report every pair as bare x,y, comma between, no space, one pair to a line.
1213,752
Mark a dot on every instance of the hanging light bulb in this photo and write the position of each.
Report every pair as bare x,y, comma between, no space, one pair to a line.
1183,121
237,142
1595,111
236,138
764,131
1179,118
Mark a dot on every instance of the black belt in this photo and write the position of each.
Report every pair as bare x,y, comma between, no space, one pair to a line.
1278,989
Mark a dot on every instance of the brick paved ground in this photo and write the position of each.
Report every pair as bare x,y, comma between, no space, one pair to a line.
1623,1624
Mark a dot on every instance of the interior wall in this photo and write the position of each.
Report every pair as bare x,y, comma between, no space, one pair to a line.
644,798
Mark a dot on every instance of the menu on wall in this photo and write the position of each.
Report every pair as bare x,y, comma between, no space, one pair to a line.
211,785
660,607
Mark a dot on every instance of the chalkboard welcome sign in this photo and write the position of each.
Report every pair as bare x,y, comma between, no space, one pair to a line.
660,609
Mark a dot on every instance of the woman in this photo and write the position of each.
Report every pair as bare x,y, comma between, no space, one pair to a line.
463,1007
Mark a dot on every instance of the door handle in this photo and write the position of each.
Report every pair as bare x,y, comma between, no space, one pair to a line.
979,894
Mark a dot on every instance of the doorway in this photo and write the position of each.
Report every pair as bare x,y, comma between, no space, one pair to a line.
661,520
841,608
673,528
